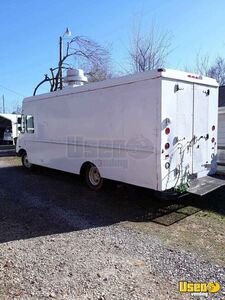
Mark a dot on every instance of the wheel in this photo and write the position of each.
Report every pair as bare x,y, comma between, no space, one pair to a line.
26,162
93,178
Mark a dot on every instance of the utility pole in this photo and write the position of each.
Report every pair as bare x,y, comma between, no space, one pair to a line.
66,33
60,61
3,104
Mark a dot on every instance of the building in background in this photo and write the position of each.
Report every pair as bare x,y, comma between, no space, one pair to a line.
222,95
221,131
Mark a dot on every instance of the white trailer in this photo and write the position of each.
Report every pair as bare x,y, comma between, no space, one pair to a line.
11,134
156,130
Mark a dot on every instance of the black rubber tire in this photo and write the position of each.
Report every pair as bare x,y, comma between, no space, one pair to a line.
24,163
97,186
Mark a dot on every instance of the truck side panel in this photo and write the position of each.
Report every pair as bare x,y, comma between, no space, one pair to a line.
116,128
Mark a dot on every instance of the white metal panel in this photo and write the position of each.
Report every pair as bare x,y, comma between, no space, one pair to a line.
128,79
205,117
177,106
213,121
201,130
192,113
189,77
116,128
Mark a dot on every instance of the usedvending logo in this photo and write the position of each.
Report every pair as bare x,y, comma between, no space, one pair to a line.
199,288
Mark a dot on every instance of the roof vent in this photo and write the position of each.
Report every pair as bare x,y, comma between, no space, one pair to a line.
75,77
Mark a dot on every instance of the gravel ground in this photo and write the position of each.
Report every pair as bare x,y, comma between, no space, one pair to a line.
60,240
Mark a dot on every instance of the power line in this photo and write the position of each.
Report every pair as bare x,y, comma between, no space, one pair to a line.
12,91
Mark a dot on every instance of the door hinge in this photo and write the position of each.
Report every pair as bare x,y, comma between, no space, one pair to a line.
177,88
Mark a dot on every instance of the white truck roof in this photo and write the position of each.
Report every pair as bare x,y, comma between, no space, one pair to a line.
10,117
157,73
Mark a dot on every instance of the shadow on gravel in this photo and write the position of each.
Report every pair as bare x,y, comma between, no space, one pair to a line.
45,202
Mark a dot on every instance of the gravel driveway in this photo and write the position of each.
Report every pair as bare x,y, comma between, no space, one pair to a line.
60,240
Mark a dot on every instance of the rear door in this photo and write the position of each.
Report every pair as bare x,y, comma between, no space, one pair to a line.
184,128
190,110
177,116
201,134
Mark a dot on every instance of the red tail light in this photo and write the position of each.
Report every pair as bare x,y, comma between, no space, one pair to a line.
167,130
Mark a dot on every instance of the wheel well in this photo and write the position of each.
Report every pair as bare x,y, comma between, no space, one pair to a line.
83,167
21,152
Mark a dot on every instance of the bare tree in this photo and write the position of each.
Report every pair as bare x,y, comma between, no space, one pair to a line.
83,50
149,50
98,72
202,64
215,70
17,109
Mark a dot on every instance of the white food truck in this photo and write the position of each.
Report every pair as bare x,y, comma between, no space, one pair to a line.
156,129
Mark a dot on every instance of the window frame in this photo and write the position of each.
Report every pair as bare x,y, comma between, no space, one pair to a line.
29,130
25,128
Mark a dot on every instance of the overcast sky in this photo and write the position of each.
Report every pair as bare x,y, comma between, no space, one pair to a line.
30,30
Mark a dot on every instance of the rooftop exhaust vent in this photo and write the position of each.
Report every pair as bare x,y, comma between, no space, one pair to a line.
75,77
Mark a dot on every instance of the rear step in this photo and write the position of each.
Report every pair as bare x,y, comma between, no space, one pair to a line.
204,185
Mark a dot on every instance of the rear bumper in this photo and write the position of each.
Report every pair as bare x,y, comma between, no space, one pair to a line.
197,186
205,185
